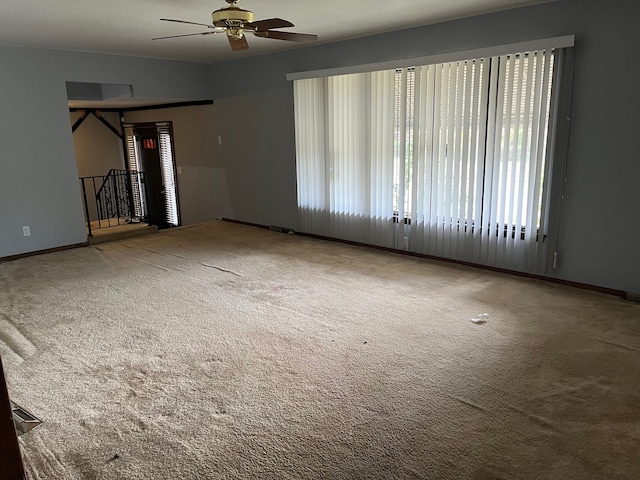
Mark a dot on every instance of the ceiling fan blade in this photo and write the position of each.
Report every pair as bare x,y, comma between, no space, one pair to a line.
184,21
185,35
238,43
293,37
268,24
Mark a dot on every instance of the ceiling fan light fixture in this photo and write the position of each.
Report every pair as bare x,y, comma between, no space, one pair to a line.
234,32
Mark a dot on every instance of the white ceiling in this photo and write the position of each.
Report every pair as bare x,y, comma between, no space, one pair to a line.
126,27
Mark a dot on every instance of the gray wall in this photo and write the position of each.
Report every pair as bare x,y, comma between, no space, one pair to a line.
38,175
600,224
251,175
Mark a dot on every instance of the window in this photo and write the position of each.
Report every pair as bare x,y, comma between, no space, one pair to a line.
447,159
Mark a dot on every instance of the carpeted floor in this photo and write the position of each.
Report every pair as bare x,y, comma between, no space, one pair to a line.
223,351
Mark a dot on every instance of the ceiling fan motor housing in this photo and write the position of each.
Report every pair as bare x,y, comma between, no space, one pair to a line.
232,16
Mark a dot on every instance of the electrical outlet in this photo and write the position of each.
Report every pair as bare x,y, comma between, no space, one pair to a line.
26,231
219,140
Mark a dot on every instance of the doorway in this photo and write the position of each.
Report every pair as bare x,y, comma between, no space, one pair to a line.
149,149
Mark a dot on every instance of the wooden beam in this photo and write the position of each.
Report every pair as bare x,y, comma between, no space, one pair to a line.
193,103
83,115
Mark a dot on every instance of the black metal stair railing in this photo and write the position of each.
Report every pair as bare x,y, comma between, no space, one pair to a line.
114,199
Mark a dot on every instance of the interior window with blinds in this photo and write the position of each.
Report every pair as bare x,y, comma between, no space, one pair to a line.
450,160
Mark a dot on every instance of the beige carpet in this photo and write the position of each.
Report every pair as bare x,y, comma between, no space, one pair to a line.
225,351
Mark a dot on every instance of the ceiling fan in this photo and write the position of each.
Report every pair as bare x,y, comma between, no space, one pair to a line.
235,22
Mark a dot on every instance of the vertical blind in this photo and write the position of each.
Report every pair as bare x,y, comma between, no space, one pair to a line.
167,168
133,165
447,160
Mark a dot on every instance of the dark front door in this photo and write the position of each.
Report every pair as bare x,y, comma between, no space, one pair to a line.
150,165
